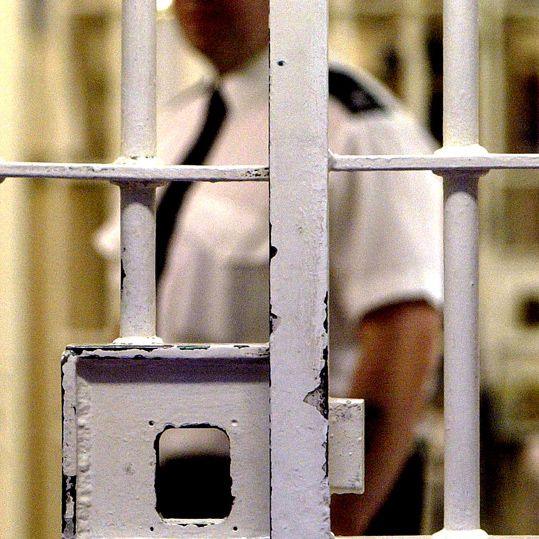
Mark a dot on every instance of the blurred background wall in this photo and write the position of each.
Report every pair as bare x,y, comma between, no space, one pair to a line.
59,101
14,307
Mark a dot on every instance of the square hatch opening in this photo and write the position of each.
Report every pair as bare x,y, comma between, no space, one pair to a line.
192,477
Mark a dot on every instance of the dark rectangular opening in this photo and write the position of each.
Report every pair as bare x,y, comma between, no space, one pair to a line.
192,477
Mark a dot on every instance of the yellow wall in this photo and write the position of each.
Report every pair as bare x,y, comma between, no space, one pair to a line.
14,349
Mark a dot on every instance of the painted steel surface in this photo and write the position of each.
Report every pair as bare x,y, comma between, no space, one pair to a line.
137,293
137,289
139,80
299,269
461,232
117,401
146,171
346,446
456,160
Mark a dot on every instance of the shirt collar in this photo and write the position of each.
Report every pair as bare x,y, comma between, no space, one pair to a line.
248,86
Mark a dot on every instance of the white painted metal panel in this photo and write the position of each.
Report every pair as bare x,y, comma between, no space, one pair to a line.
346,446
118,401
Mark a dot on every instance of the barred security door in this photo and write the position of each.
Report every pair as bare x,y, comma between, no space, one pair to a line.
119,398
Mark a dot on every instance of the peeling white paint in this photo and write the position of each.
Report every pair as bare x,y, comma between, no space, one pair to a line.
138,295
137,200
299,269
117,401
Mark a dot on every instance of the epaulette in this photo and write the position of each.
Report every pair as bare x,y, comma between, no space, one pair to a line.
351,94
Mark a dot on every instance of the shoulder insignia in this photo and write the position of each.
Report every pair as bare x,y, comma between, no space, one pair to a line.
351,94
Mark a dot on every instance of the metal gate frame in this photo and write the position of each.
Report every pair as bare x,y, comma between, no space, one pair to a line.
299,156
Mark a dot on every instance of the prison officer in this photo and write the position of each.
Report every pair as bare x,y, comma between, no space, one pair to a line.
385,245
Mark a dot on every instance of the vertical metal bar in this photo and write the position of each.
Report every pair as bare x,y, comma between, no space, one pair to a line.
299,269
461,367
461,73
137,320
461,363
138,78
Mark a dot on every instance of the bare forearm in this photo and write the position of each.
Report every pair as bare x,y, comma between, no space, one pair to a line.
399,347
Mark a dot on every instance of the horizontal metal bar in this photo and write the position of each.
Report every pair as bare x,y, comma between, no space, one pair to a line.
259,351
434,162
132,172
161,173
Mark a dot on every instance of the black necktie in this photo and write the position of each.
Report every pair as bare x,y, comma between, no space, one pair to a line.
171,202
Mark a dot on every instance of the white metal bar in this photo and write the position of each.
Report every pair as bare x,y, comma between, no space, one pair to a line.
138,303
439,162
137,318
138,78
142,172
149,172
299,269
461,73
461,361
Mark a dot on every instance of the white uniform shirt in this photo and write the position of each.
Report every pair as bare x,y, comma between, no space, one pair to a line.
385,227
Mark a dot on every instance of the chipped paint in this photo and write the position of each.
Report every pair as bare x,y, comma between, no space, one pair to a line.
147,171
122,276
160,387
297,88
138,301
298,269
84,453
274,322
69,488
134,171
318,396
236,351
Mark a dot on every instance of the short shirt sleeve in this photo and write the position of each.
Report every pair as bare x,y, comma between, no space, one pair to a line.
385,227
